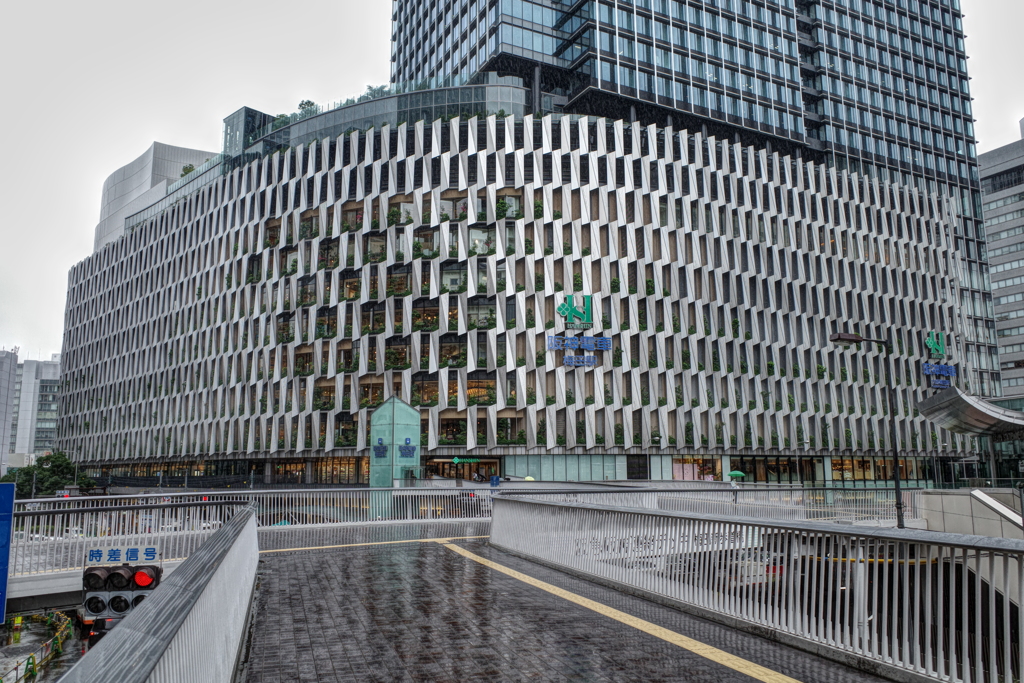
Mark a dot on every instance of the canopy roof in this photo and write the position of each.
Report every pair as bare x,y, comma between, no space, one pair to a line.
962,413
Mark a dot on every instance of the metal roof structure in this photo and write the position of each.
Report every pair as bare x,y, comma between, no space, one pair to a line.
962,413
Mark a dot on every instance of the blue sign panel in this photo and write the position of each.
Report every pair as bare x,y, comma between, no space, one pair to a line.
584,343
939,374
380,451
941,370
118,554
6,529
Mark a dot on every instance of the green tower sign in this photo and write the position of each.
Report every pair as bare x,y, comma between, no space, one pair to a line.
577,318
936,343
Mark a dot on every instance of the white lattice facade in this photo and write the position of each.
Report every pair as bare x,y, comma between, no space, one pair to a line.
264,315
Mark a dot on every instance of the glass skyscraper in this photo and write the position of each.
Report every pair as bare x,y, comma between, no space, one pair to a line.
878,87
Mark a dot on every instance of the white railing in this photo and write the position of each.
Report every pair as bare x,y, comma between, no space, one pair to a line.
942,606
193,625
834,505
55,535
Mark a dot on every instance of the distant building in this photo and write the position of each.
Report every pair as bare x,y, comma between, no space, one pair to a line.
15,461
1002,184
8,381
33,425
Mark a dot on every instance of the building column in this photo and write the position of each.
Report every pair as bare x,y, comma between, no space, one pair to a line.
268,472
309,471
827,466
536,89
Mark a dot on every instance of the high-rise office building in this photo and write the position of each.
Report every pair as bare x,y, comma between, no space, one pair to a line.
622,287
876,87
33,406
1002,182
8,382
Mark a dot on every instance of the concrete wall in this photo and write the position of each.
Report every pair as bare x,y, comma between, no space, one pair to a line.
964,511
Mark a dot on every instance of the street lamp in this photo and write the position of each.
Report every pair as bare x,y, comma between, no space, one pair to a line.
846,339
34,471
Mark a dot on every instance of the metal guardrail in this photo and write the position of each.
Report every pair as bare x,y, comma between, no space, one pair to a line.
192,626
55,540
55,534
834,505
914,604
267,501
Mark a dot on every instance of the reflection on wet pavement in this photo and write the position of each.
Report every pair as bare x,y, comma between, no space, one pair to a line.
275,538
16,646
419,611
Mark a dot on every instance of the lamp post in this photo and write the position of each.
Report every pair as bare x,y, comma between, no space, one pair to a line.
847,339
34,472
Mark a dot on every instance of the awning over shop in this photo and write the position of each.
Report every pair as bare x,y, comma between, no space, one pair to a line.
962,413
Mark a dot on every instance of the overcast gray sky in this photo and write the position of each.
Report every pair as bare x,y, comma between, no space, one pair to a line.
91,85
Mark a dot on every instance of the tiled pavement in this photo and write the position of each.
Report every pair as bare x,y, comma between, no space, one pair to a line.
420,612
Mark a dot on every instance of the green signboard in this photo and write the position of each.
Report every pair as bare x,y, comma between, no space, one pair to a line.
577,318
936,343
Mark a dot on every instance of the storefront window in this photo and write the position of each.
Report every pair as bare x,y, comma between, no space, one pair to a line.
696,469
342,471
290,472
842,469
863,469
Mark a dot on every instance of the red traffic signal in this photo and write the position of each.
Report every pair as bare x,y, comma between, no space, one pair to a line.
146,577
112,592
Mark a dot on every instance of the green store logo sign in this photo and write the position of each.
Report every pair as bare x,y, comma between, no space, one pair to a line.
936,343
577,318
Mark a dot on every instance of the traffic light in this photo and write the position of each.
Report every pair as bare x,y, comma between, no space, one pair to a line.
145,579
95,578
112,592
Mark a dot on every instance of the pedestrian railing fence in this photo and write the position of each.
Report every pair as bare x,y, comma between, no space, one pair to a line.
57,534
912,604
832,505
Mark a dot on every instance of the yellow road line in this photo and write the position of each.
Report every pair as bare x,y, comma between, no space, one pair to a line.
695,646
358,545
